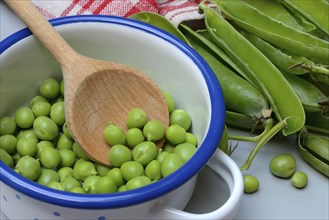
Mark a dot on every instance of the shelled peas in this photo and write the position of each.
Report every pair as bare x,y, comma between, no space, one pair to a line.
38,145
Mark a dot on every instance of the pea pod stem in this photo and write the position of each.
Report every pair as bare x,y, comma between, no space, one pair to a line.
263,140
268,124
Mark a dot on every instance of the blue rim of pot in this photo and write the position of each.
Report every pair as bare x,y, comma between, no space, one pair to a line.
154,190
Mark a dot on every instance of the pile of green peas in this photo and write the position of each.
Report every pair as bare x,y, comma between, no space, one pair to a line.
38,145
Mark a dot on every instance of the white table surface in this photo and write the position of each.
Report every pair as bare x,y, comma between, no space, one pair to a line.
275,199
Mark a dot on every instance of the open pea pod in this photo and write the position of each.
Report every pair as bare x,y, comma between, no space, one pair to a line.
317,122
253,20
160,22
314,149
267,78
316,12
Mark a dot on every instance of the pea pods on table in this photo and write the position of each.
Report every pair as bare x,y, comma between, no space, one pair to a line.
279,12
287,61
253,20
267,78
314,11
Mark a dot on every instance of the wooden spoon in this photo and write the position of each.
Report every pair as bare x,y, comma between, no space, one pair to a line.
96,92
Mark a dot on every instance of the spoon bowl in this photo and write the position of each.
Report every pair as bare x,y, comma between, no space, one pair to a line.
96,92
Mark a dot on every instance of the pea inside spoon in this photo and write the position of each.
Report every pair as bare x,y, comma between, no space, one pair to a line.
96,92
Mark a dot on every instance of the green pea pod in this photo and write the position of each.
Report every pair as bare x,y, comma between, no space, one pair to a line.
224,143
239,94
241,121
253,20
277,11
314,149
313,100
316,12
317,122
291,63
267,78
205,37
160,22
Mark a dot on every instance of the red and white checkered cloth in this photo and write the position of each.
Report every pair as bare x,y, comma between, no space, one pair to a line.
174,10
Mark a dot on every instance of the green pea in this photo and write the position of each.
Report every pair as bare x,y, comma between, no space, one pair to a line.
250,183
57,113
65,172
47,176
28,167
41,109
45,128
119,154
67,158
115,174
137,182
61,87
169,100
49,88
134,136
6,158
299,179
185,151
153,170
190,138
122,188
69,183
67,131
8,143
102,170
64,142
283,165
89,184
144,152
153,130
170,164
82,169
168,147
16,157
42,145
175,134
161,155
29,133
180,117
7,126
106,185
79,152
24,117
136,118
77,190
37,99
131,169
27,146
56,185
114,135
50,158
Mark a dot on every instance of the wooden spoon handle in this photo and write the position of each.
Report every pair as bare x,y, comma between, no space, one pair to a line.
43,30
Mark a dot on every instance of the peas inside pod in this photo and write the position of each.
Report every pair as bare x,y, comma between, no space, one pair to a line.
36,142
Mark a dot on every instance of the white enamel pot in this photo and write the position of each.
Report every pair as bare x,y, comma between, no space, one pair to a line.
174,66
